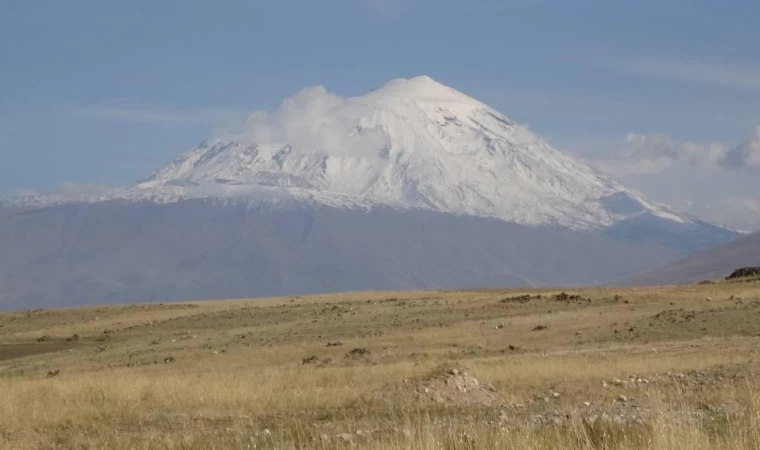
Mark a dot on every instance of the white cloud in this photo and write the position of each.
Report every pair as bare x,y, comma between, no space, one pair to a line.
732,75
652,154
710,181
305,121
746,155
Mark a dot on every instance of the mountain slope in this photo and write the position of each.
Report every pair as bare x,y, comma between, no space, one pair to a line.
711,264
198,249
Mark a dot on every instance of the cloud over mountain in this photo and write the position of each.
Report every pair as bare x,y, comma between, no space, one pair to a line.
650,154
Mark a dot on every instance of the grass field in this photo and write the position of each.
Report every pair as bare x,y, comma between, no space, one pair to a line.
648,368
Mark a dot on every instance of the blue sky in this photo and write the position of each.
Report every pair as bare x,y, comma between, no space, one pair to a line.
105,91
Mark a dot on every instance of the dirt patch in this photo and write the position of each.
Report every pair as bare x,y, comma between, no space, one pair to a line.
446,386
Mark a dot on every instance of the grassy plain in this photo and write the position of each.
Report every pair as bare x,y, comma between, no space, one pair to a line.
608,368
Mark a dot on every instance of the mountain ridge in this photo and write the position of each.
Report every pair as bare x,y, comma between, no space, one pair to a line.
710,264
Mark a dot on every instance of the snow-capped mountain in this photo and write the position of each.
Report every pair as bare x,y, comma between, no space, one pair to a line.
410,144
413,185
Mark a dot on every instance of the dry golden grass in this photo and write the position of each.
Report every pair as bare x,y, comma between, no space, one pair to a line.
236,378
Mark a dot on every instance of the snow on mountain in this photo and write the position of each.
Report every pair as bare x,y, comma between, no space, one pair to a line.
410,144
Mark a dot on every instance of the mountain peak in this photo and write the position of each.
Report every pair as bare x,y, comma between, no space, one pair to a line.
418,82
421,88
